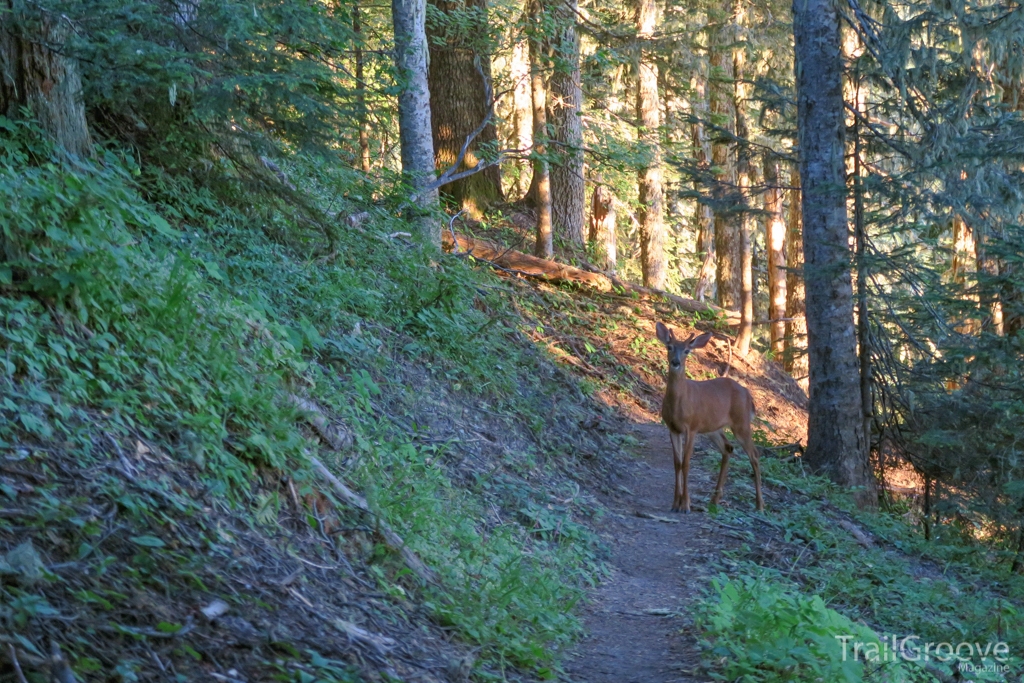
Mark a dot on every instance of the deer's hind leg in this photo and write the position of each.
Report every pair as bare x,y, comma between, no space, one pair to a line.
744,437
718,438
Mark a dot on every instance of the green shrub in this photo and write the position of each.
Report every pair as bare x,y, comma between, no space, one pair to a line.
763,630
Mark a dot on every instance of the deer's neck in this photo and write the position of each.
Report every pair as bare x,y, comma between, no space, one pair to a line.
677,382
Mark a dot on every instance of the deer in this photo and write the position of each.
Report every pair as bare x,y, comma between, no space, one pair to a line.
703,407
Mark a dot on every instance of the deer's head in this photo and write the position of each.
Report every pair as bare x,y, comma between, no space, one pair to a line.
678,349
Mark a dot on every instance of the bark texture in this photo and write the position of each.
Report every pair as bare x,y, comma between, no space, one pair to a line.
459,103
408,18
836,443
602,228
565,101
775,242
648,113
541,184
42,79
795,358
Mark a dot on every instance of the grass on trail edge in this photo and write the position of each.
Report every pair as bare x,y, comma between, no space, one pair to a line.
800,582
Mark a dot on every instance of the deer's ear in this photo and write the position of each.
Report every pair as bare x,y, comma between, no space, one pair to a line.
701,341
664,334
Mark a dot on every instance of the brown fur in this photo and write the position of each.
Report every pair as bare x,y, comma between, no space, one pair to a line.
691,408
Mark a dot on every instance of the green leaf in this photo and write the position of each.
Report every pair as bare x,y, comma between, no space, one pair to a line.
162,226
147,541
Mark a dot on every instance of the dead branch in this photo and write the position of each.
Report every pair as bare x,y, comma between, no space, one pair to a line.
855,531
336,437
59,667
392,539
382,644
276,170
518,263
17,665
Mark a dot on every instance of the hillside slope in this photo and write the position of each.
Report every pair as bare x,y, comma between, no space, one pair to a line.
167,353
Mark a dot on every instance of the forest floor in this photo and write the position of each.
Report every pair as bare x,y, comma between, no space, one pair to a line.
639,622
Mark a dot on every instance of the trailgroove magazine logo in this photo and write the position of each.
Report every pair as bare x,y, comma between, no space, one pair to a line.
990,657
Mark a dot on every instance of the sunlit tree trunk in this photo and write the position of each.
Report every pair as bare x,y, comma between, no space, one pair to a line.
408,17
743,176
459,103
705,215
648,112
565,102
364,124
963,251
602,227
836,442
775,244
988,289
964,266
36,73
541,176
795,358
522,117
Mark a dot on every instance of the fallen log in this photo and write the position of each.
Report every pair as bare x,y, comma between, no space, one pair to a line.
518,263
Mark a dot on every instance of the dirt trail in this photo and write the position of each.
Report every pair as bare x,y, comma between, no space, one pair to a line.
640,622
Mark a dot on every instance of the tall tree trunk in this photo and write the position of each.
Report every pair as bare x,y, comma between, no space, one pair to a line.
541,183
565,101
836,443
522,116
743,174
1017,567
795,358
988,289
648,113
963,265
963,251
775,243
408,18
602,227
364,123
728,276
35,73
861,239
705,214
459,79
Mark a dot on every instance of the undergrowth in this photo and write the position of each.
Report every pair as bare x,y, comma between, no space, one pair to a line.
801,582
145,308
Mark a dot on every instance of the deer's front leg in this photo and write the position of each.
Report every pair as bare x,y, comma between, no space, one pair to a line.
687,453
677,463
